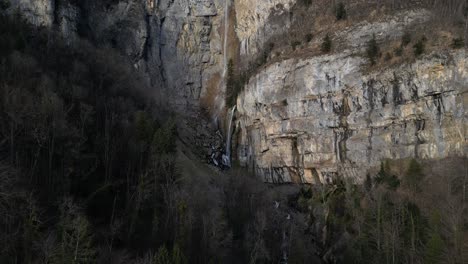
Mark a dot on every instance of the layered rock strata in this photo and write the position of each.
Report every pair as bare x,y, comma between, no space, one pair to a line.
306,120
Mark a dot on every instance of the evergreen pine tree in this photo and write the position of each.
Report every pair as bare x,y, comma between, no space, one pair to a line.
326,44
162,256
341,11
372,50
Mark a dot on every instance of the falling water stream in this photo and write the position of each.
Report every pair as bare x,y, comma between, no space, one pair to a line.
227,155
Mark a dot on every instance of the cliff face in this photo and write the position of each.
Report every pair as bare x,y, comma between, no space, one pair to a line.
303,118
306,120
124,25
40,12
177,44
257,21
309,118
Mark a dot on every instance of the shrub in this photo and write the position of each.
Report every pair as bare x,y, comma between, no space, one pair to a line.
177,255
270,46
326,44
144,126
419,47
294,44
388,56
309,37
384,177
458,43
4,4
164,139
398,51
434,249
162,256
373,50
368,183
267,49
304,198
306,2
405,39
340,11
414,175
75,238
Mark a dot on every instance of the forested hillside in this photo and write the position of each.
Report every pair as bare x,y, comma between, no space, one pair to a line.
109,151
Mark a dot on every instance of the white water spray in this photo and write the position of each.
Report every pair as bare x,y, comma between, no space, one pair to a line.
227,155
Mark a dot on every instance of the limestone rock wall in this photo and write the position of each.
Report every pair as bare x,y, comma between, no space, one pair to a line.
312,117
38,12
191,48
256,22
306,120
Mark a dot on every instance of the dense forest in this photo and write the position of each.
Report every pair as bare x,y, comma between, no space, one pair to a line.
91,173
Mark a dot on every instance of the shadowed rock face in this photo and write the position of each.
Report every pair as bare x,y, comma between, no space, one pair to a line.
177,44
306,120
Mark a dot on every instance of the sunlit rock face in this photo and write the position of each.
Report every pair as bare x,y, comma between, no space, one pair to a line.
37,12
256,22
311,118
306,120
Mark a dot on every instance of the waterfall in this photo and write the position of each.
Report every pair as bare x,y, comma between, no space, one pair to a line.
227,155
222,83
226,30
